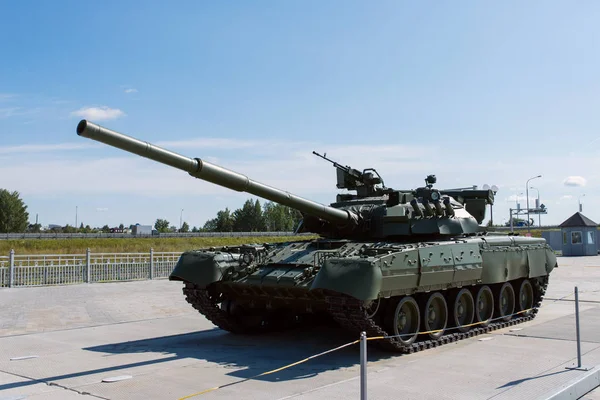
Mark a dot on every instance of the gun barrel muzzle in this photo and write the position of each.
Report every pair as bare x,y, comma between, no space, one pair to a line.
141,148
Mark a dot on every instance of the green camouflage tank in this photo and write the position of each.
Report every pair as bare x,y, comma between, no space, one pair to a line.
414,266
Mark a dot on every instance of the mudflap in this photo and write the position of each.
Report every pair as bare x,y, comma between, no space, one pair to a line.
203,267
360,279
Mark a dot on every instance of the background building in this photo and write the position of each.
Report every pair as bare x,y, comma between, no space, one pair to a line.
579,236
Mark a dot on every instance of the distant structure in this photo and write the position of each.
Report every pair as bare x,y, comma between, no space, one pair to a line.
138,229
579,236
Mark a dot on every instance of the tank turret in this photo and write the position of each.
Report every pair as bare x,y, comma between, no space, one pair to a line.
373,212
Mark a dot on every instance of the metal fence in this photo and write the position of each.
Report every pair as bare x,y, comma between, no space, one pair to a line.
62,269
50,235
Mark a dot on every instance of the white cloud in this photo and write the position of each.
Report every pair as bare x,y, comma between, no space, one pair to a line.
131,90
41,148
101,113
101,209
566,197
575,181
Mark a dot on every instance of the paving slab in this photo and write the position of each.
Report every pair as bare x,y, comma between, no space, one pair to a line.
593,395
82,334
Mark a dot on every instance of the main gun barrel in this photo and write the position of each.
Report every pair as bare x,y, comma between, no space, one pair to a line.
210,172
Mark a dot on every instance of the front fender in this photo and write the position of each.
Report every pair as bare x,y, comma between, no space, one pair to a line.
359,278
202,267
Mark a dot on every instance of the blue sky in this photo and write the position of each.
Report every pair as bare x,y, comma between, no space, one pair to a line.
474,92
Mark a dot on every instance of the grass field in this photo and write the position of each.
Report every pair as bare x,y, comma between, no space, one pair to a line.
118,245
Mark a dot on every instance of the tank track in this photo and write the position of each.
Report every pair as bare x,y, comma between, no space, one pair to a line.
207,303
351,314
202,301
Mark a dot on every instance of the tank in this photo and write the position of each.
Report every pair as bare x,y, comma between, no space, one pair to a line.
412,266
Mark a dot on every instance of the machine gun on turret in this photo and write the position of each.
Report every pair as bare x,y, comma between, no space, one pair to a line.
352,179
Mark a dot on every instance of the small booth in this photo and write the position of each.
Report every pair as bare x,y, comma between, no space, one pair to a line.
579,236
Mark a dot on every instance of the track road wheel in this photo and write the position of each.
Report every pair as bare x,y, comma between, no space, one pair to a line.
526,297
463,310
406,320
505,301
484,305
435,315
373,307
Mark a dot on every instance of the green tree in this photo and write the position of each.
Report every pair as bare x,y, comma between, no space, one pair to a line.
259,222
105,229
210,225
185,227
69,229
161,225
13,212
195,229
224,222
279,218
248,218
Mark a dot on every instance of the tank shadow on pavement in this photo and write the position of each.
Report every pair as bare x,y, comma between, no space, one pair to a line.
251,355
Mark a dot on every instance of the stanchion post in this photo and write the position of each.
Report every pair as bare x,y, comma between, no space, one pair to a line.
363,366
88,265
151,266
578,335
11,268
577,327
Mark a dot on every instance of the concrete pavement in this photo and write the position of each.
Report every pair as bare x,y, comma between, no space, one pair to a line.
61,342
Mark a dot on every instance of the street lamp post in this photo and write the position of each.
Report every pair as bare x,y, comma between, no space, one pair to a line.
579,201
537,205
180,220
527,195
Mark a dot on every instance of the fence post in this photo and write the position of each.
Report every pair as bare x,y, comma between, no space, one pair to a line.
363,366
88,265
11,268
151,274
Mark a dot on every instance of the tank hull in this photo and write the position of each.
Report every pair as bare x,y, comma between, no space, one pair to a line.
366,285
